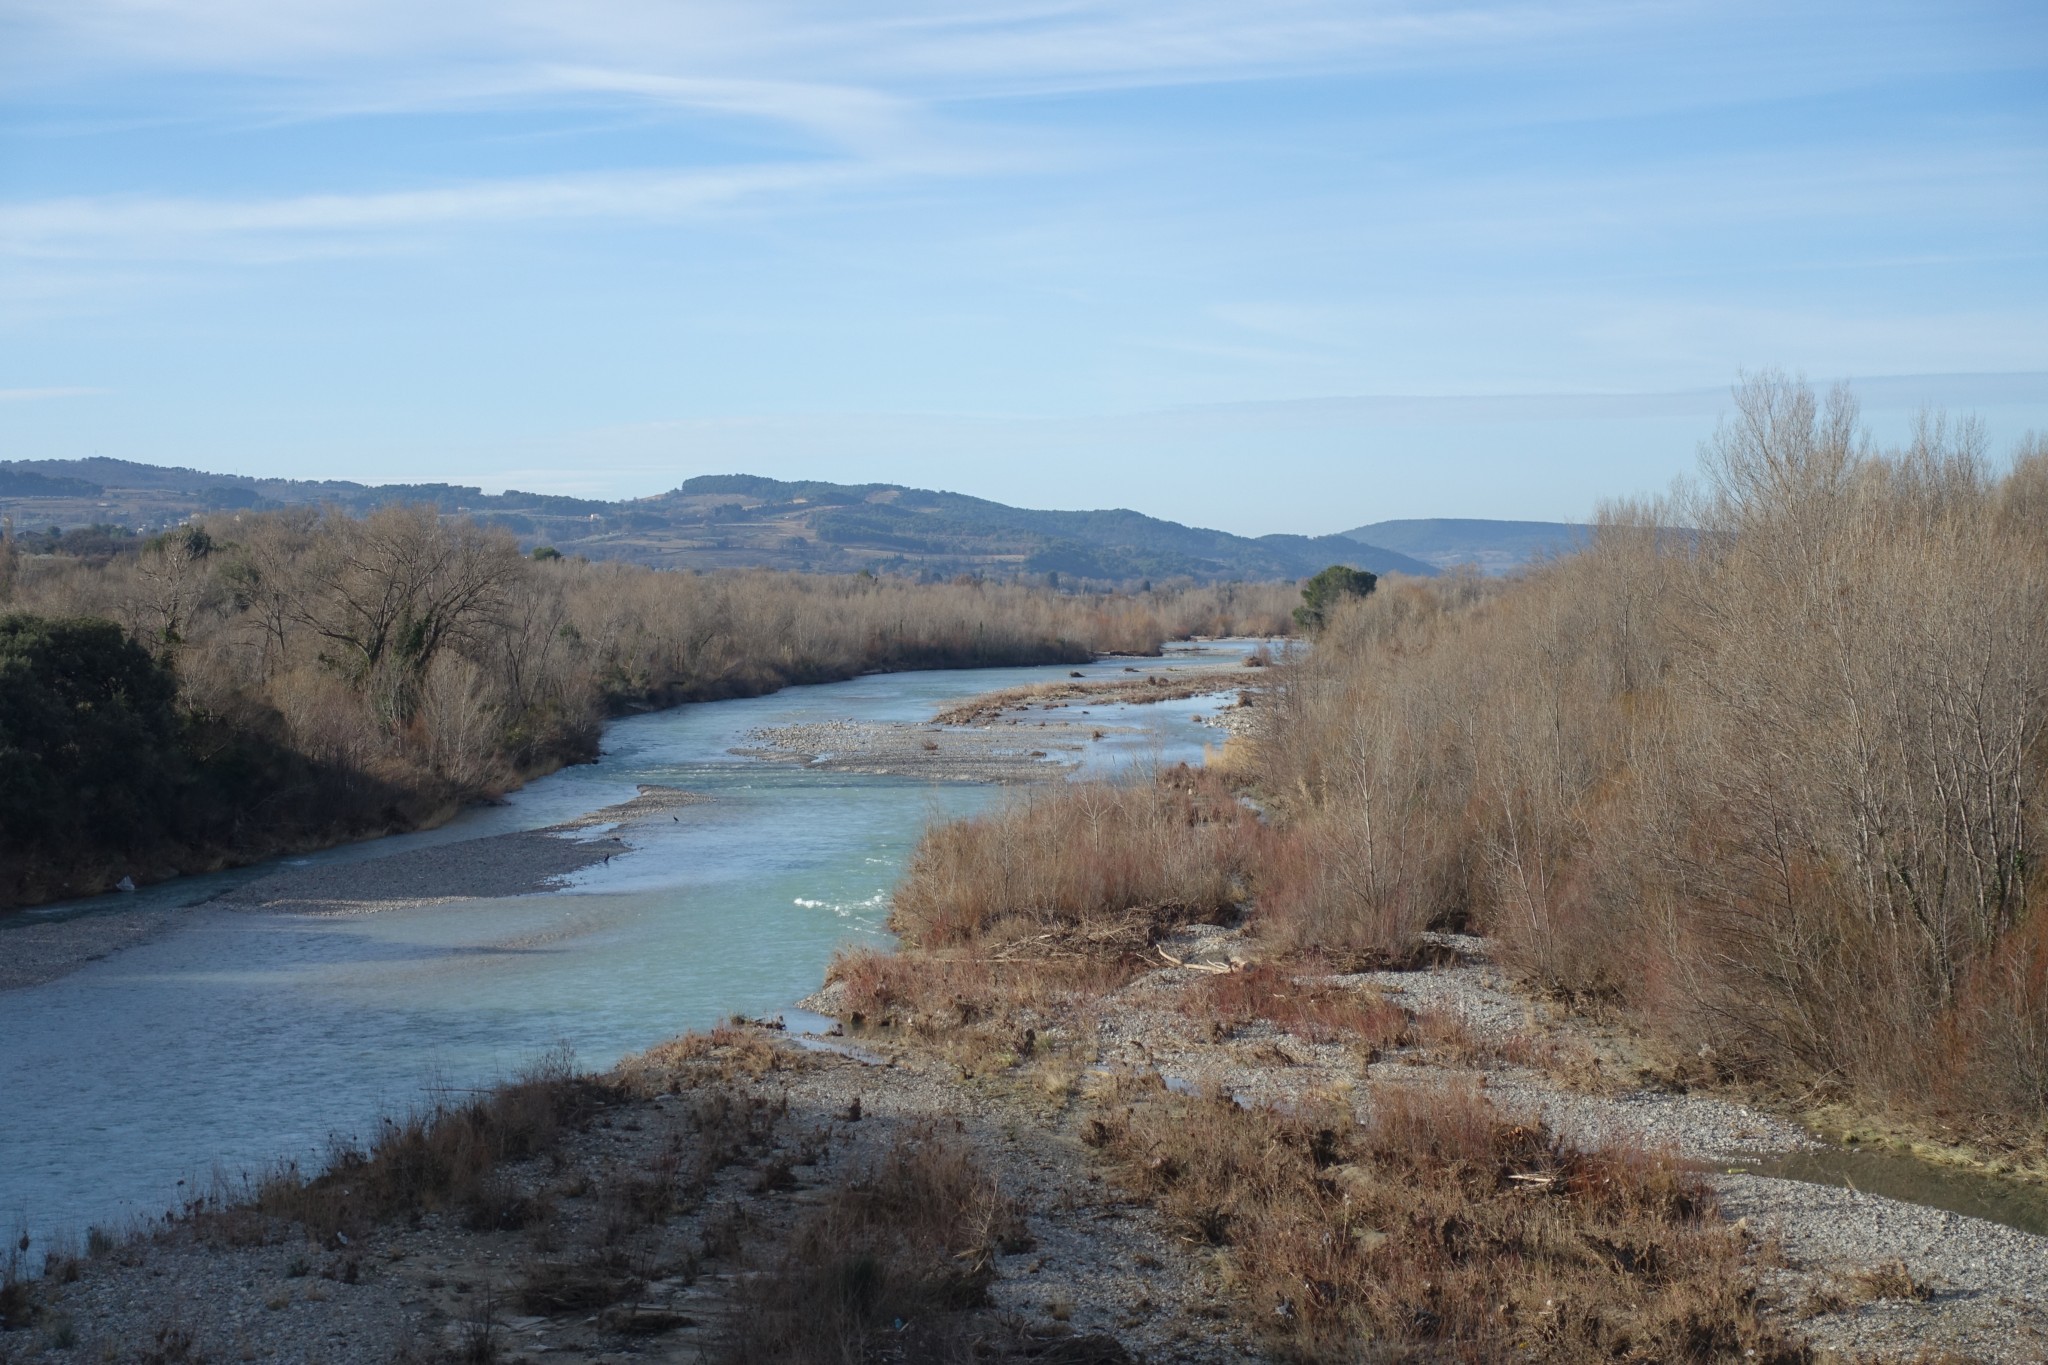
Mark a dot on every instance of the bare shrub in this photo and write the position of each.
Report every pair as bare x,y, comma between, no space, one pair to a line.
1058,892
1317,1012
901,1251
1762,762
1440,1227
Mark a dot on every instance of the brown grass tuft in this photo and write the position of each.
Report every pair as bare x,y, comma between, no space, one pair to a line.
1318,1012
901,1253
451,1156
1058,895
727,1053
1442,1228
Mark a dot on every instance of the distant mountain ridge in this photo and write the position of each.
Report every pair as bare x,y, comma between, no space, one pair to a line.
730,521
1494,547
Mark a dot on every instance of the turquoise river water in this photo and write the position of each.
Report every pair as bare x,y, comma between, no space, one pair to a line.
240,1038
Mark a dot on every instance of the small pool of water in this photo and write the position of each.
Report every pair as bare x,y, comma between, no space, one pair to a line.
241,1038
1896,1175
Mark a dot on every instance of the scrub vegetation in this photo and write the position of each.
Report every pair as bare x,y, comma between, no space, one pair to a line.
1051,899
1759,771
264,681
1441,1228
1772,785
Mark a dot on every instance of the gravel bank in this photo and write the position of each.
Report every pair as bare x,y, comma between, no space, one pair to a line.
1164,684
1978,1291
997,737
34,950
1867,1277
517,864
1007,754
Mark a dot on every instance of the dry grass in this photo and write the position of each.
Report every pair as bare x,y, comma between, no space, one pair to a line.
1056,897
1441,1228
19,1306
1317,1012
726,1054
892,1264
452,1156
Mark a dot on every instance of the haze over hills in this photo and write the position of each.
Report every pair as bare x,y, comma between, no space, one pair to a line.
726,521
1494,547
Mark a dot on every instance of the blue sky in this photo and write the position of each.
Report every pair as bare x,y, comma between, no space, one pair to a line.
1293,265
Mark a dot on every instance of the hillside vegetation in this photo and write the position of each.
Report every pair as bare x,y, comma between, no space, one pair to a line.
262,681
1495,547
723,521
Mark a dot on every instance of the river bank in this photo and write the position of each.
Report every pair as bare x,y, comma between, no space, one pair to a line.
1091,1273
218,1032
1096,1270
523,862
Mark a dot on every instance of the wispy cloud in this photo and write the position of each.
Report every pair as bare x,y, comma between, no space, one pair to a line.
172,226
1035,40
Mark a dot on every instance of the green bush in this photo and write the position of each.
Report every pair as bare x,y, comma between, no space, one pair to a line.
1327,589
89,734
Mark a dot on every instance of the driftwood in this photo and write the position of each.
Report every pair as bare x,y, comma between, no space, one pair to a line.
1214,968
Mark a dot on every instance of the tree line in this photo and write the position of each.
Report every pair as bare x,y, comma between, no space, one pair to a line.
258,682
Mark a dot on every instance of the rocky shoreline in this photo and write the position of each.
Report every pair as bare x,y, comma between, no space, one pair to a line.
1856,1275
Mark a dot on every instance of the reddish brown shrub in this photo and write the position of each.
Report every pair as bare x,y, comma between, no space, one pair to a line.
1318,1012
1441,1228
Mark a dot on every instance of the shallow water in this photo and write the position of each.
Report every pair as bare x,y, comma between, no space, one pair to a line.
242,1038
1896,1175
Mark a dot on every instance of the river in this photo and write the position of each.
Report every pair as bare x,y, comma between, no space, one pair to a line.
239,1038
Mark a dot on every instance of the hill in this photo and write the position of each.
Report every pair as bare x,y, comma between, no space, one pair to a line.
727,521
1494,547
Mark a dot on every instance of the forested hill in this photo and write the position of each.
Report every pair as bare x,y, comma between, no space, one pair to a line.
1494,547
723,521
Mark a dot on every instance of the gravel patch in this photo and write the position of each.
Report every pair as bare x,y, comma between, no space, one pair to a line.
1168,683
517,864
34,951
1985,1286
1009,753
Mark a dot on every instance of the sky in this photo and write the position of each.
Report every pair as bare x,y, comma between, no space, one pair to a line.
1294,265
